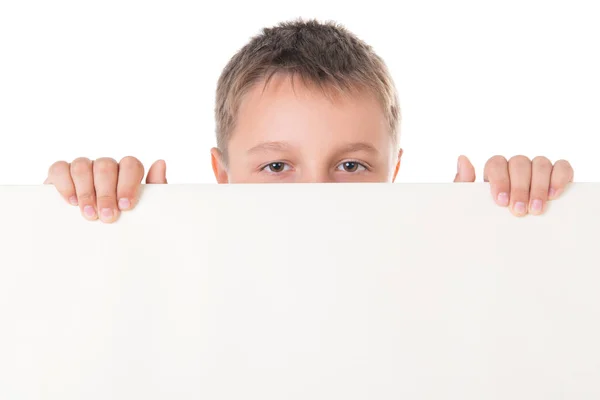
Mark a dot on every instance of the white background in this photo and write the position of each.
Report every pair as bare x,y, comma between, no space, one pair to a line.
117,78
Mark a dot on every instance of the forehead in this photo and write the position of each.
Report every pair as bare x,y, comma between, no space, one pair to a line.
288,108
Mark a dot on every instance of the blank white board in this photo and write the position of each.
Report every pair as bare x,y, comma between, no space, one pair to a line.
307,291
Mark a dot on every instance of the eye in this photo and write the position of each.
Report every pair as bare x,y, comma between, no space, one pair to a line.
351,166
275,167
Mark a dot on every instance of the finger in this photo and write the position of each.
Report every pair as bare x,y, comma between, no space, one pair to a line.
541,169
465,171
131,173
157,173
496,173
83,178
519,169
562,175
106,173
59,175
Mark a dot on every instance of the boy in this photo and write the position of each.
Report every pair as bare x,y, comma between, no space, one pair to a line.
304,102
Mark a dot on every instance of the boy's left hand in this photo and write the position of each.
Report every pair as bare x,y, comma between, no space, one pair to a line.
523,184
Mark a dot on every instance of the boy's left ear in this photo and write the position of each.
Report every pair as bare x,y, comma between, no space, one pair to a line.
400,152
218,165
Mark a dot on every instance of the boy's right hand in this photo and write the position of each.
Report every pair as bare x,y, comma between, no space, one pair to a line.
103,188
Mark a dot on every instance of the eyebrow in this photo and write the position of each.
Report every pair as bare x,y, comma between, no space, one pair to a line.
284,146
269,146
358,146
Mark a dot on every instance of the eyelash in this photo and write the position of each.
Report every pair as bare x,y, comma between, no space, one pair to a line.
263,168
363,165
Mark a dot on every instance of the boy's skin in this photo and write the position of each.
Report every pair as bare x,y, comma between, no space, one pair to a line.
295,134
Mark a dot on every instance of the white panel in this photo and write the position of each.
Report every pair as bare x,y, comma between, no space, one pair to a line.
373,291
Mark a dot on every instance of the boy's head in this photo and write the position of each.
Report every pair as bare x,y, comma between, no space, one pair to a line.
306,102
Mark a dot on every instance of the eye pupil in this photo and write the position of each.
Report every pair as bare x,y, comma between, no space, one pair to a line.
276,166
350,166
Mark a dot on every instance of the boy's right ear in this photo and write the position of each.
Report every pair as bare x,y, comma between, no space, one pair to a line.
218,166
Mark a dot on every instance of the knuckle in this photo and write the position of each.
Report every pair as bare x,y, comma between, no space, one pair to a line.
105,162
106,199
502,184
80,166
539,186
542,161
496,161
85,198
519,160
128,192
519,194
104,165
131,163
539,193
58,167
562,164
130,160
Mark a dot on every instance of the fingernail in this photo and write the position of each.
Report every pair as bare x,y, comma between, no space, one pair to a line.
520,207
503,199
89,211
73,200
124,204
536,206
552,192
106,213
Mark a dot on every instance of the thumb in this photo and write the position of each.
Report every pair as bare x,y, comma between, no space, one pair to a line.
157,173
465,172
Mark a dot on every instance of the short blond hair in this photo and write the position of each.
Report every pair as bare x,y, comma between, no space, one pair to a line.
325,54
